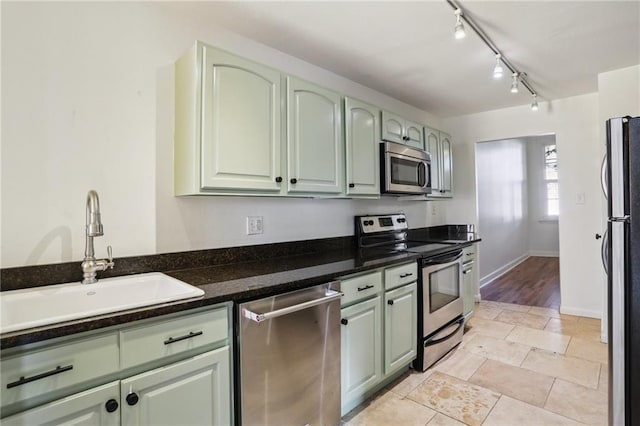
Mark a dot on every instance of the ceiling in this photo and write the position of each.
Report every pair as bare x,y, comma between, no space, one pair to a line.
407,49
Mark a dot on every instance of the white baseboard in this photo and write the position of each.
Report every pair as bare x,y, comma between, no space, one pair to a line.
569,310
542,253
502,270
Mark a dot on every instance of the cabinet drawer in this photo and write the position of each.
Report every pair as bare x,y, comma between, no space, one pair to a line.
170,337
361,287
399,275
57,367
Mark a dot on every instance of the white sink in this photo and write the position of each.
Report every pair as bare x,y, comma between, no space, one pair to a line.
22,309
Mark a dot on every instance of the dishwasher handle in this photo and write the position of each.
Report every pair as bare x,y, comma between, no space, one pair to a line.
257,317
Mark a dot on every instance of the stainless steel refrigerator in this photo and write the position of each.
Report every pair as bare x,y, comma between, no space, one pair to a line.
623,269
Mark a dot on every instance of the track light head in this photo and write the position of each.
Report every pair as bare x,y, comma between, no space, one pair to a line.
458,30
534,104
498,71
514,82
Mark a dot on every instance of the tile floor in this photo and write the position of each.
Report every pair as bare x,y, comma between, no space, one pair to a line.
517,366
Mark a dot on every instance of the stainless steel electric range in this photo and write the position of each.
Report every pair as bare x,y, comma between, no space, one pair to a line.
440,320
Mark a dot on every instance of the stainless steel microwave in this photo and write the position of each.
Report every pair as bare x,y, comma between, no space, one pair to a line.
404,169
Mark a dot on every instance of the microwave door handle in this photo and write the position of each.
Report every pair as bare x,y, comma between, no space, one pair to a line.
422,175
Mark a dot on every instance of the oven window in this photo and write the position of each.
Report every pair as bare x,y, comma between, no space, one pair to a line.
405,172
444,287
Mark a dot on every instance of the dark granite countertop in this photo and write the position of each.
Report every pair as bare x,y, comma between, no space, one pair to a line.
235,282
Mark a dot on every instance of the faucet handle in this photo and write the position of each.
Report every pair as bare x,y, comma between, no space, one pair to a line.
110,256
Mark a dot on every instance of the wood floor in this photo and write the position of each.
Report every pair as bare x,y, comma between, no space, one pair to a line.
535,282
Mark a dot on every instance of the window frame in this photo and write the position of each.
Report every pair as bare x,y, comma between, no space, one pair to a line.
546,217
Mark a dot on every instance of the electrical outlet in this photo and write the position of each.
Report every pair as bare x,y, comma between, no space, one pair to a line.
433,209
254,225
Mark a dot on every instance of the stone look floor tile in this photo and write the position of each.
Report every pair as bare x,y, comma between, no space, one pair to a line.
540,339
486,312
496,329
588,349
409,382
460,364
574,328
442,420
577,402
523,318
603,382
514,307
545,312
391,409
455,398
497,349
524,385
511,412
575,370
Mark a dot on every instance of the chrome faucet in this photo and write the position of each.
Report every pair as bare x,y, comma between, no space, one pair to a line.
94,229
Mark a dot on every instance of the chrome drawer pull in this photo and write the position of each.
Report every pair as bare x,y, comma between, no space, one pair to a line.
185,337
406,275
23,380
366,287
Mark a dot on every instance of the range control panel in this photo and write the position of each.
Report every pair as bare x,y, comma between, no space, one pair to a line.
384,223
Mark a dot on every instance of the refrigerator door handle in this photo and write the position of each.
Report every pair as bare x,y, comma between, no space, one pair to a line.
604,252
626,218
603,177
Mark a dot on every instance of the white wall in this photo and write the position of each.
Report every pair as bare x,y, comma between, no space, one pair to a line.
543,233
502,206
88,103
575,122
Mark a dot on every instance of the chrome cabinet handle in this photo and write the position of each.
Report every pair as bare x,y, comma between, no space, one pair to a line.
408,274
24,380
191,334
257,317
366,287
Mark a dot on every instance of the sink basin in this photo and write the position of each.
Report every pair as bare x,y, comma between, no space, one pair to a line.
22,309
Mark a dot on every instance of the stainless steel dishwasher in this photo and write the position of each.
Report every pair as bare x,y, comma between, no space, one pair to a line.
290,358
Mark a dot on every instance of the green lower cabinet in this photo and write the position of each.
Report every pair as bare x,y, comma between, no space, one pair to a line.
191,392
84,408
400,327
361,351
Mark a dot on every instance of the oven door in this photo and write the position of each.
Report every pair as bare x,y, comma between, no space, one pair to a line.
441,300
406,175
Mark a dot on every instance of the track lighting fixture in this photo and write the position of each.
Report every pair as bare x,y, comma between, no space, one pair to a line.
497,70
514,82
518,77
459,28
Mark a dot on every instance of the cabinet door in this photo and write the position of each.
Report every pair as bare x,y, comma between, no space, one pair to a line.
414,134
392,127
240,124
400,328
447,164
432,145
361,334
468,282
314,139
192,392
84,408
362,139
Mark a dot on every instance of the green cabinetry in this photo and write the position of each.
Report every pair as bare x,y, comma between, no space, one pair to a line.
362,152
397,129
438,144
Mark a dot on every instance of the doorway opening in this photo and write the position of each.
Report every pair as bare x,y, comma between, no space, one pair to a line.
518,214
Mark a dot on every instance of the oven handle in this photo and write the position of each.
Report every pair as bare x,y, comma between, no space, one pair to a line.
459,323
442,259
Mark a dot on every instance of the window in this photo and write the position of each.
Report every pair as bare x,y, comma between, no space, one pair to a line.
551,181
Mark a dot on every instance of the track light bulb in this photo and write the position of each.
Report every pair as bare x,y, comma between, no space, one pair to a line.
458,30
498,71
534,104
514,83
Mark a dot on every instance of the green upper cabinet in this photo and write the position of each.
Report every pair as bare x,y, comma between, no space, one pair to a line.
228,121
362,141
414,136
438,144
314,139
397,129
